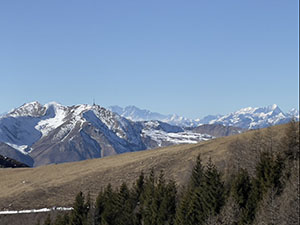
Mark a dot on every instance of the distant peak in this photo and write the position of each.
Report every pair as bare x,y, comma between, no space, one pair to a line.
33,103
30,104
54,103
28,109
132,107
273,107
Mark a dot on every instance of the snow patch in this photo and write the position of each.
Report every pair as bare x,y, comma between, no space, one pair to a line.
8,212
161,137
57,118
20,148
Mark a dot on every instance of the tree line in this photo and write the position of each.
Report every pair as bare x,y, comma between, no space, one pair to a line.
263,191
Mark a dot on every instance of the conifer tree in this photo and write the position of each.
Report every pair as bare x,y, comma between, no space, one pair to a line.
241,188
197,174
204,197
269,171
138,192
99,208
90,210
110,211
214,188
164,204
182,208
197,211
147,200
248,213
169,202
187,211
79,213
139,186
125,206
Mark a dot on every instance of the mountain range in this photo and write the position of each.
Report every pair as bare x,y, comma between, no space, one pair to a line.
37,134
245,118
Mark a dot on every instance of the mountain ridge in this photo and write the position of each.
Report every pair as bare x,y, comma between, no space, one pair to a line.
53,133
38,134
245,118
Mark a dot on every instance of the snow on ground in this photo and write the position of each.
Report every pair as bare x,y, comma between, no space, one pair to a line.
20,148
176,138
57,117
65,130
7,212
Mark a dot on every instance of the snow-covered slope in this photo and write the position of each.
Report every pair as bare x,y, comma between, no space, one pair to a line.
157,134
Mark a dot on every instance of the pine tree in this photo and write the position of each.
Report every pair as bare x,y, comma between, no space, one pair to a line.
138,192
188,208
169,202
139,186
79,213
204,197
269,171
197,174
214,187
182,208
147,200
110,211
268,180
248,213
241,188
90,210
99,208
125,206
198,207
164,203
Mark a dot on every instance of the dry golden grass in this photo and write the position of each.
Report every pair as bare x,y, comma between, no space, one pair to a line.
57,185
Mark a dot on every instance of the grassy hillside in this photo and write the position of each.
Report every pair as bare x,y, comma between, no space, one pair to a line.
56,185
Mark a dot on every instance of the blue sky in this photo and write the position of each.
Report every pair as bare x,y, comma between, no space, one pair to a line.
192,58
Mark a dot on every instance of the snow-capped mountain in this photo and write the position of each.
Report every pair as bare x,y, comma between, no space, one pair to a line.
136,114
293,113
39,134
246,118
254,117
53,133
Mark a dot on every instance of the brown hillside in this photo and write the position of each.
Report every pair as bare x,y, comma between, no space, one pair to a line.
56,185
